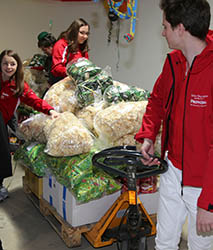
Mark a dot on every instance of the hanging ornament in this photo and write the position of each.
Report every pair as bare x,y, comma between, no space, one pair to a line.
122,8
50,25
113,17
130,13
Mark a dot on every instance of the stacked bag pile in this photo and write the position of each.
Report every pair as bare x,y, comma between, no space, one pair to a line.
35,76
96,113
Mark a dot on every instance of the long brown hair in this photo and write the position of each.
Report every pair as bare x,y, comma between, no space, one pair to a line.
71,35
19,74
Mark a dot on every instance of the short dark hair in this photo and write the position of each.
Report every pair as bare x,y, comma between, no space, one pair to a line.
195,15
46,40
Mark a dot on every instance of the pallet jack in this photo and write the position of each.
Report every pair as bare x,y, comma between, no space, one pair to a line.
127,222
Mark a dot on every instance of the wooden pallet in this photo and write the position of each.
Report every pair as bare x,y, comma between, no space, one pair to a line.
30,195
33,182
70,235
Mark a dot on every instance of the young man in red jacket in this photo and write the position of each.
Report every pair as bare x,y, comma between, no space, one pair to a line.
182,100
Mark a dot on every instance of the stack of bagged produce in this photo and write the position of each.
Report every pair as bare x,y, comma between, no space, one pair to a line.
61,96
96,113
35,76
90,80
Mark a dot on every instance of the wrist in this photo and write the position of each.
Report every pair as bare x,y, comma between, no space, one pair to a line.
49,112
148,140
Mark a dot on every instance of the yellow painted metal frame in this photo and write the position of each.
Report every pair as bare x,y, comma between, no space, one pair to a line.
110,220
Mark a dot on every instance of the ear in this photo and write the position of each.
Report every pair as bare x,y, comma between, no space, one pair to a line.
181,28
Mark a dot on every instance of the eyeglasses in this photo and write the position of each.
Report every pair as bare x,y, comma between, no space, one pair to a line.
84,33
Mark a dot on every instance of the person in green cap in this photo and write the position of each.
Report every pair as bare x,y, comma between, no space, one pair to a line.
46,42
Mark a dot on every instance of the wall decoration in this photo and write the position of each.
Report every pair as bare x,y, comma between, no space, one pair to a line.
114,9
76,0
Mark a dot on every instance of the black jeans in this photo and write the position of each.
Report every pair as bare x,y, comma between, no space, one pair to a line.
5,156
1,245
1,184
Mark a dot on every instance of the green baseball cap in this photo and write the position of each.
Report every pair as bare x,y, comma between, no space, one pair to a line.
42,35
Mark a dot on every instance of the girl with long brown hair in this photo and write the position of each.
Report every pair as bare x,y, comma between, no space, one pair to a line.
13,91
71,45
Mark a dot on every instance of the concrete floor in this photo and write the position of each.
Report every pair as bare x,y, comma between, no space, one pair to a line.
22,226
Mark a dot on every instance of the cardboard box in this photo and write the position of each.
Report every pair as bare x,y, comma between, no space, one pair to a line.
81,214
50,191
34,183
86,213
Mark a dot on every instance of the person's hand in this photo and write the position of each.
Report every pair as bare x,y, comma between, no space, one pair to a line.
147,148
204,221
54,114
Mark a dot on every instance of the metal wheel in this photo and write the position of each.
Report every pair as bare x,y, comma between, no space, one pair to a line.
143,244
126,245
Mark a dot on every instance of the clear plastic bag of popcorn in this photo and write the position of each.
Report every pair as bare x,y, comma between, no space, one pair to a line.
126,140
61,96
119,120
67,136
86,115
32,129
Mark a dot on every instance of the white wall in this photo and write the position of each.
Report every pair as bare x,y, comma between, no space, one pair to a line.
140,60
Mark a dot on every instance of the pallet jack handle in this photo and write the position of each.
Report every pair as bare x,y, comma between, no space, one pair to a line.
125,161
127,156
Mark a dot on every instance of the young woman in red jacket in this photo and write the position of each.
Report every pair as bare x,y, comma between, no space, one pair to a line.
13,91
72,44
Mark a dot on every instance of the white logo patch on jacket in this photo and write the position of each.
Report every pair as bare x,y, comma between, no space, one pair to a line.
4,95
199,101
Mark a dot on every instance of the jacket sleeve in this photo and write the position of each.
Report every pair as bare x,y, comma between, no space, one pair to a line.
31,99
59,59
73,57
153,116
205,200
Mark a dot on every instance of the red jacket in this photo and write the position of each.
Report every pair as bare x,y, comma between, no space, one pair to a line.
184,104
60,57
9,102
